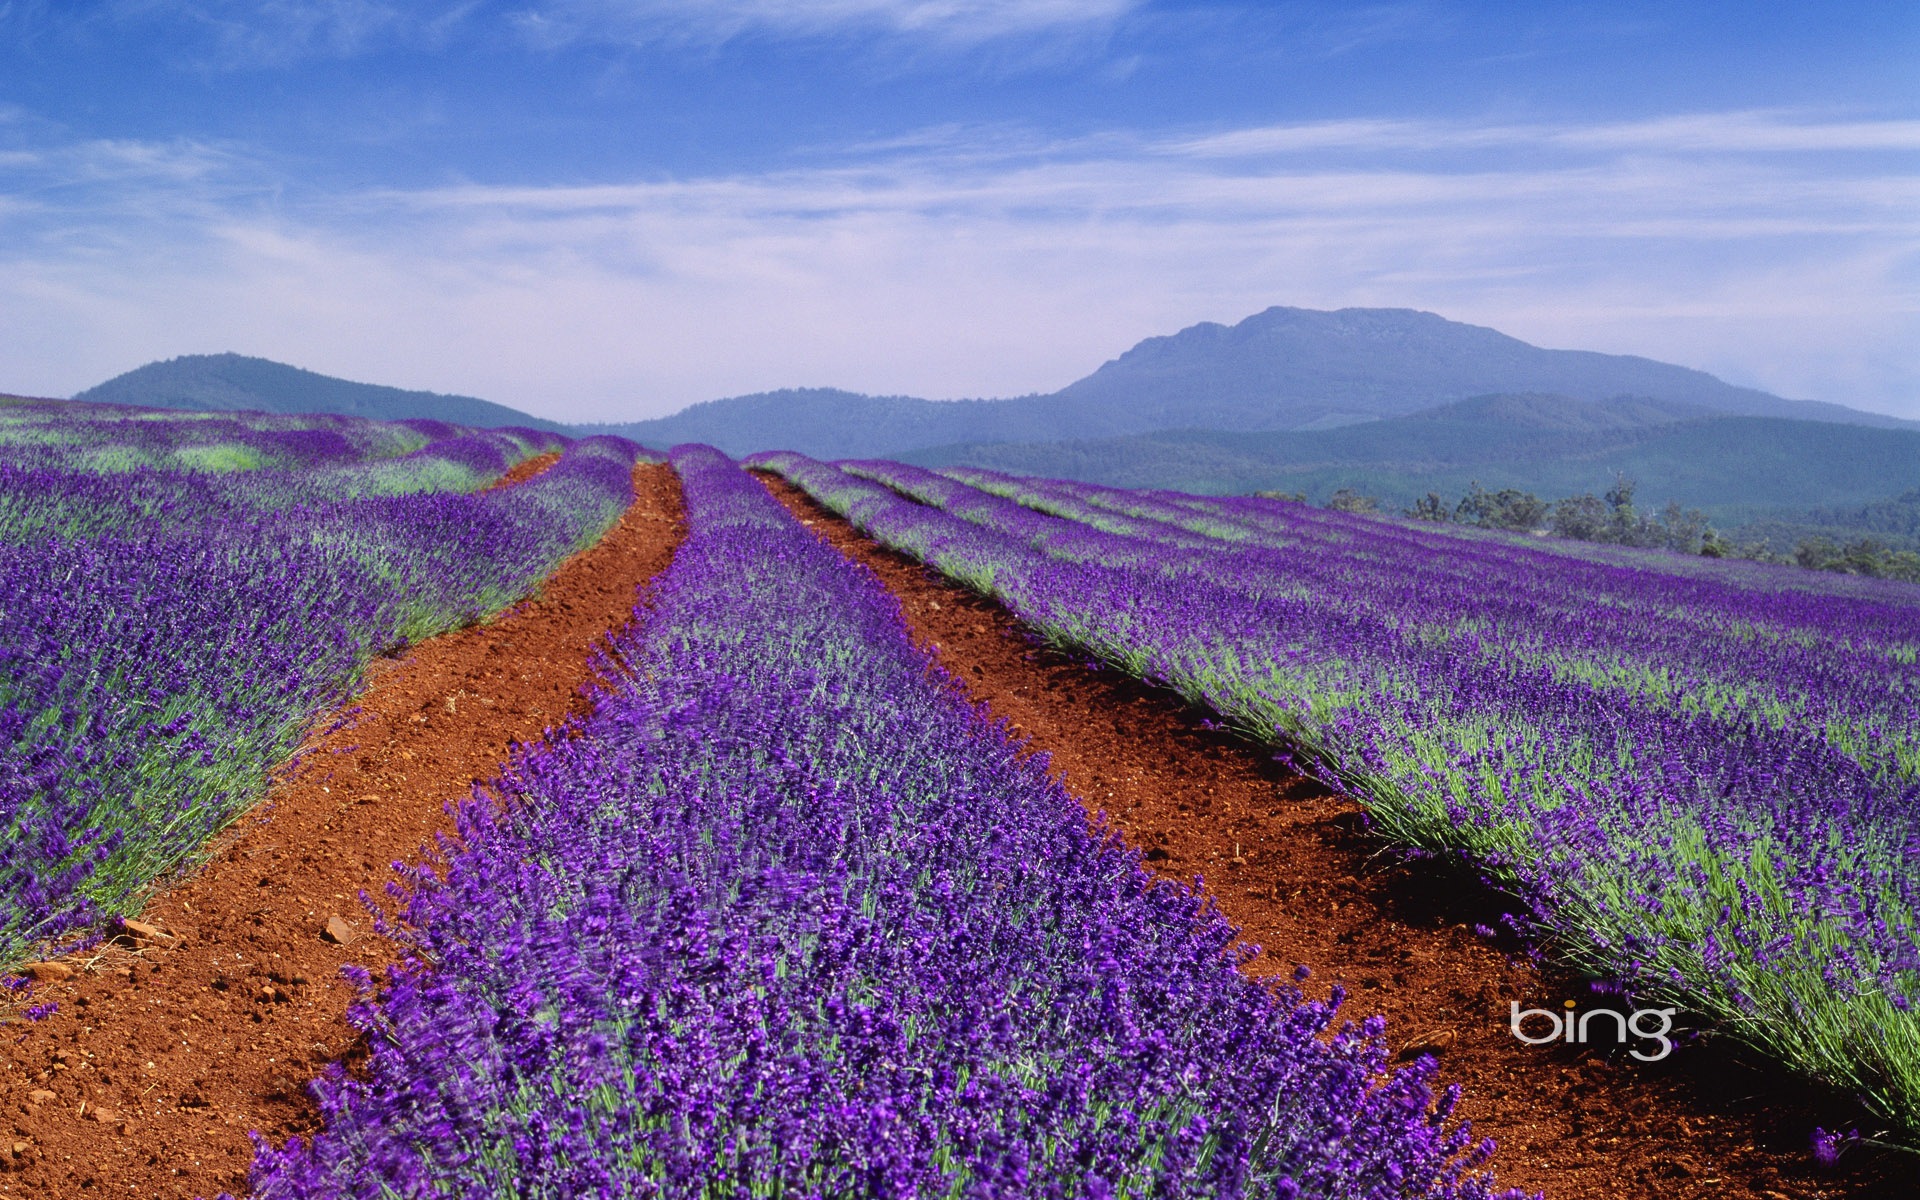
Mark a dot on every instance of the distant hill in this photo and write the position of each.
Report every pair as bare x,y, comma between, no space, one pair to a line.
1893,522
1282,369
234,382
1733,466
830,423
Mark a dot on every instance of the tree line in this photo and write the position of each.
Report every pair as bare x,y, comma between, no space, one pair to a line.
1614,518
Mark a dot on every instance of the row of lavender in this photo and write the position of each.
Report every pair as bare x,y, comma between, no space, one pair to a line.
1702,788
70,470
791,917
1732,640
161,658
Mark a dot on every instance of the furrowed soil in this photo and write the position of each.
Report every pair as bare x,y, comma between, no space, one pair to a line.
169,1046
1291,863
524,471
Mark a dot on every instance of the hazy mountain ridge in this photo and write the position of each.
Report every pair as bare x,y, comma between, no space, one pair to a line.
1393,402
235,383
831,423
1282,369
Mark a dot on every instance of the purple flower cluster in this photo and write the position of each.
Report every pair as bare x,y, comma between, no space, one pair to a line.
789,916
158,660
1702,785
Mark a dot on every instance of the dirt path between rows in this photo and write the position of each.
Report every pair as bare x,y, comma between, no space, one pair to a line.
1291,864
167,1050
523,471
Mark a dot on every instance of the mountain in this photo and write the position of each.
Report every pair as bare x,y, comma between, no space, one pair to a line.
830,423
1736,467
1544,410
1286,368
1282,369
233,382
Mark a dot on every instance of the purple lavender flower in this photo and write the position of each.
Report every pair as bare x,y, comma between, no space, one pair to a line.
790,914
171,619
1700,777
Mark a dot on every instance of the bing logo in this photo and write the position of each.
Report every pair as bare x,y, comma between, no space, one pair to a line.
1578,1028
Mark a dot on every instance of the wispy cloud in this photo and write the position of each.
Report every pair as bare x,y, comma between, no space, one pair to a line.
964,21
255,34
270,33
1763,131
1344,29
950,265
1766,131
222,36
115,188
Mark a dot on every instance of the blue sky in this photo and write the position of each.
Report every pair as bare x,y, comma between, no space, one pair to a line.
596,209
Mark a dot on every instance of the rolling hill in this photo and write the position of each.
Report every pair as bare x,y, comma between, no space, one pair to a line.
234,382
830,423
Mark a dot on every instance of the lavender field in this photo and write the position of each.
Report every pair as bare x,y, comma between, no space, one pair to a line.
788,913
1698,780
790,917
182,594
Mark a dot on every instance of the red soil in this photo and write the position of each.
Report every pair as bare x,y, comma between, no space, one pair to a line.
523,471
1292,865
168,1048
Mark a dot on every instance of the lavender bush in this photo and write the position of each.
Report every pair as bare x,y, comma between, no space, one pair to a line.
790,917
1700,781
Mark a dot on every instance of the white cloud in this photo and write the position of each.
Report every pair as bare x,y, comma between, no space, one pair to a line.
946,267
